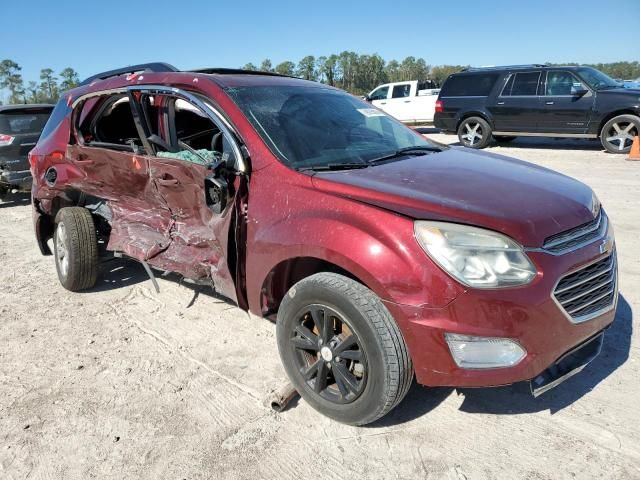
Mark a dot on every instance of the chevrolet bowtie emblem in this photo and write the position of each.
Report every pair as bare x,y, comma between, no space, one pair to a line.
606,245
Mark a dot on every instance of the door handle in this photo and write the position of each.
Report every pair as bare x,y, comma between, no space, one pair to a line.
500,103
168,182
550,103
407,101
383,103
84,160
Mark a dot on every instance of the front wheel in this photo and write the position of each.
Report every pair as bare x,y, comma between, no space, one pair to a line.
342,350
618,133
474,132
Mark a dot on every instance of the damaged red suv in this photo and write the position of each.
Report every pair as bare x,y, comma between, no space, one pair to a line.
381,254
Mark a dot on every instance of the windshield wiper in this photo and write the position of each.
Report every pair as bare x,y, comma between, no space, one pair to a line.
401,152
333,166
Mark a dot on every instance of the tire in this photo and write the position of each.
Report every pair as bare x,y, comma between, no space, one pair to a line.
617,134
503,138
3,193
75,248
355,375
474,132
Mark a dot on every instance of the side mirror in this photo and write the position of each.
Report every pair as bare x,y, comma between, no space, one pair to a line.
366,98
579,91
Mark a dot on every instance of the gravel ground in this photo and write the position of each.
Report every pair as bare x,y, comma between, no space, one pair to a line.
121,382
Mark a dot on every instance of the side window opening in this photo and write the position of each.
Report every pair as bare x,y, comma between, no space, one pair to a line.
506,91
522,84
107,122
562,83
379,94
469,85
189,134
401,91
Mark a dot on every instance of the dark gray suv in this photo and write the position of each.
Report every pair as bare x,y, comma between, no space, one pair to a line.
536,100
20,128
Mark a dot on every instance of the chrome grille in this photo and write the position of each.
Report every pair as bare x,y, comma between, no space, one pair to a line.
579,235
590,291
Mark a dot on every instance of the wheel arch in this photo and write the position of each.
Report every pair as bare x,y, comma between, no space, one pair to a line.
476,113
290,271
45,211
616,113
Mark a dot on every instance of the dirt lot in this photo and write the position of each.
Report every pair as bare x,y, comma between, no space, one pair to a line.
121,382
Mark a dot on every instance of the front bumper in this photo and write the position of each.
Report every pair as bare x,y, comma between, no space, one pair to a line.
20,179
568,365
528,314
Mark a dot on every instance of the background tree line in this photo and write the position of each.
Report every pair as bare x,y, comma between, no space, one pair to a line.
48,90
359,74
355,73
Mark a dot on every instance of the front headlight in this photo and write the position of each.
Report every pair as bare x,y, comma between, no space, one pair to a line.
476,257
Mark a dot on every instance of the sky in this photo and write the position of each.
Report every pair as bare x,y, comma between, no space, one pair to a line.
96,36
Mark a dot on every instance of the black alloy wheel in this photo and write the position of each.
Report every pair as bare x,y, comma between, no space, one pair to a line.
329,354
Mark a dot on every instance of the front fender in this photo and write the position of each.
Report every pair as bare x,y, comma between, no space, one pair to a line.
374,245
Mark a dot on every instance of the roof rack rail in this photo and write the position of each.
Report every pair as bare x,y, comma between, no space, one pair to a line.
234,71
143,67
502,67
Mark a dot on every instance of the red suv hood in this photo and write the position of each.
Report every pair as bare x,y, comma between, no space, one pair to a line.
524,201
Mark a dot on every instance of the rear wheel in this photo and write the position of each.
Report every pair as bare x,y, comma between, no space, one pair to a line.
3,193
342,350
618,133
76,248
474,132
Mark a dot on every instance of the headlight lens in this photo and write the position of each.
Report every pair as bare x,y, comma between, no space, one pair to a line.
476,257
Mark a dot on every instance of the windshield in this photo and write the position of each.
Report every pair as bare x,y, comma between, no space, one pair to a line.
314,127
596,79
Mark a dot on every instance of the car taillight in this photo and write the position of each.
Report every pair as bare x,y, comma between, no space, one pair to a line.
5,140
439,106
33,160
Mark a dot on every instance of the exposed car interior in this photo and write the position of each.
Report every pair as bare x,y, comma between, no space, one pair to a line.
177,129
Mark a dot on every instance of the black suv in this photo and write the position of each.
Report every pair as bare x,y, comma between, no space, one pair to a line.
20,128
536,100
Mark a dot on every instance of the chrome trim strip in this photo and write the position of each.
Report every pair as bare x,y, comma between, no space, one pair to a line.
544,134
580,295
577,284
597,313
575,233
99,93
590,302
605,229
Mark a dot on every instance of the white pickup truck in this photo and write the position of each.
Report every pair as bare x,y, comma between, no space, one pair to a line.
410,102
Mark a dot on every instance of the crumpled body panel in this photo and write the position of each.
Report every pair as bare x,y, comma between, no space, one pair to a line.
156,210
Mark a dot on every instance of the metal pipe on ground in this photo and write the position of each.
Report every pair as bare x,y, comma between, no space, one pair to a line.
279,399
